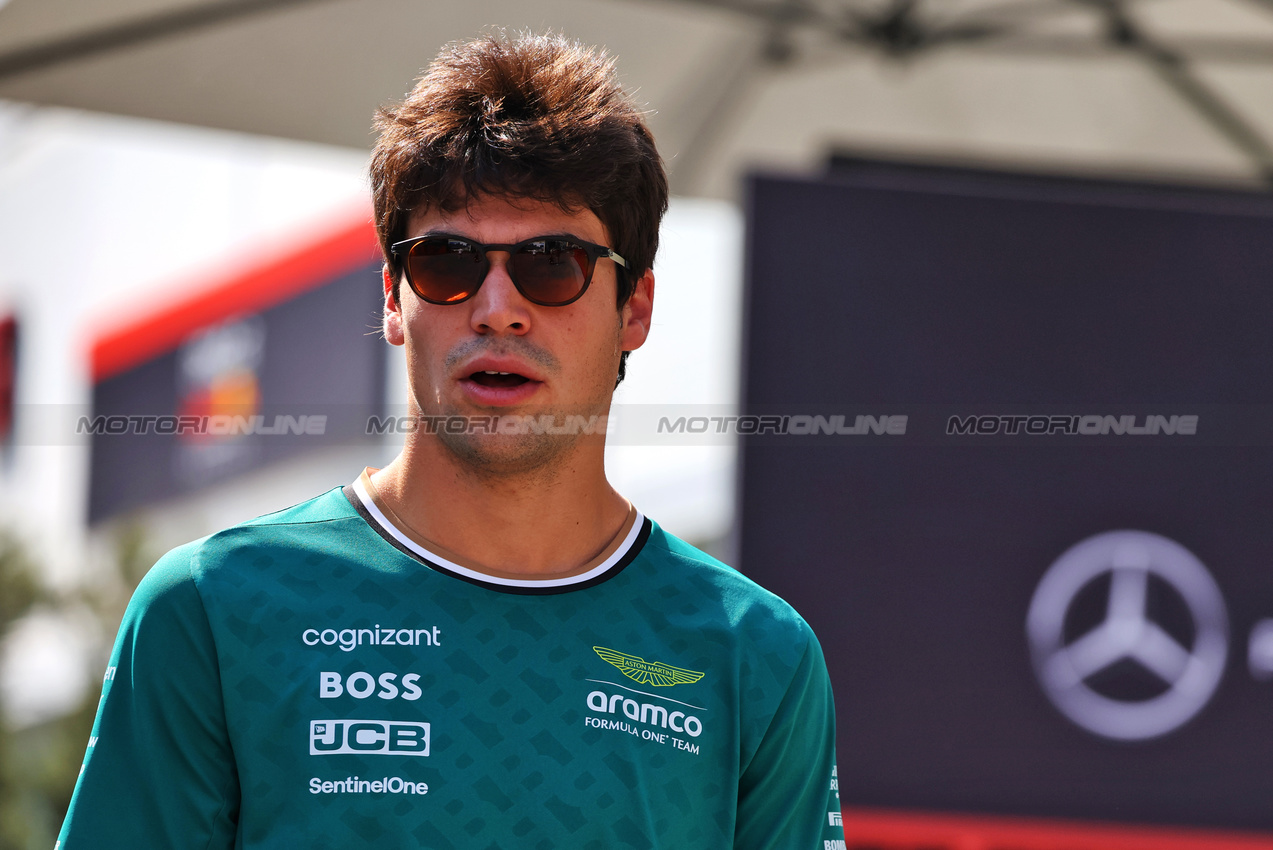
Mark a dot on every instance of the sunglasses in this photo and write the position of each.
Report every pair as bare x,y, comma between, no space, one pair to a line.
551,271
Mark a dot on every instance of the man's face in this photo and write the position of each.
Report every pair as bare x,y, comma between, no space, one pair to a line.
559,361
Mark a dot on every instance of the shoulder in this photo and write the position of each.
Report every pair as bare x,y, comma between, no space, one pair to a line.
179,574
328,507
325,520
764,616
765,657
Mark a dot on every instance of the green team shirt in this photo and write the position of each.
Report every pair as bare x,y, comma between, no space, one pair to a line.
316,678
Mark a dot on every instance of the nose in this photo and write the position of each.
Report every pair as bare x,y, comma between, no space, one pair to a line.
497,306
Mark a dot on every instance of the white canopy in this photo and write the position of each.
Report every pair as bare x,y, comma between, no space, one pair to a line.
1175,88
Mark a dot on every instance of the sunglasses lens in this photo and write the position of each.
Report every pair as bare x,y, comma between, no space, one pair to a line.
551,271
445,270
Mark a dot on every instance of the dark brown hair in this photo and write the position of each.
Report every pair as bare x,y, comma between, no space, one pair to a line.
535,117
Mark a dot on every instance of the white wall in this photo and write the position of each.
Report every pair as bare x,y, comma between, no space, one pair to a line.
101,217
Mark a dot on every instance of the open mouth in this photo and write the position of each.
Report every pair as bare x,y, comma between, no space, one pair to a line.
498,379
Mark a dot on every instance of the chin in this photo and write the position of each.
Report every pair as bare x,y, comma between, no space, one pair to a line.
508,454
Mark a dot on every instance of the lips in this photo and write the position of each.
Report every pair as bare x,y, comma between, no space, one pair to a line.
498,379
492,381
499,367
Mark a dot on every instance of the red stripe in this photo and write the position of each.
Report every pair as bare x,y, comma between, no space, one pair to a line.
261,285
891,830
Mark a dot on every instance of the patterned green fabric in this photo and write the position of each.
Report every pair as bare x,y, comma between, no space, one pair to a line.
302,681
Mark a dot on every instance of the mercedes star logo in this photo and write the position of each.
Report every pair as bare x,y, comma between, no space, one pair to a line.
1069,660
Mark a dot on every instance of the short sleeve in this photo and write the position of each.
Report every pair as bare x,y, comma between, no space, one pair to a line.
788,793
159,770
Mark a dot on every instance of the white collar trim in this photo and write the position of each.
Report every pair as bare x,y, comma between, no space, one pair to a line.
451,566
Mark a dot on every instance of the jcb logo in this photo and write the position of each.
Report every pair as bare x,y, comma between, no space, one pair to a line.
368,738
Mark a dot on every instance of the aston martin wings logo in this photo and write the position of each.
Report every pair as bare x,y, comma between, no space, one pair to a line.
648,672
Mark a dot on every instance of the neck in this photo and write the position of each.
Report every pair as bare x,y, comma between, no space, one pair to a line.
546,522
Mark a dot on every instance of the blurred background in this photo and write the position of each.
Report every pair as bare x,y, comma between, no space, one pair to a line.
184,229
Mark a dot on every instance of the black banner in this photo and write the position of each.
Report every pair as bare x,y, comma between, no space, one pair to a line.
247,391
1047,591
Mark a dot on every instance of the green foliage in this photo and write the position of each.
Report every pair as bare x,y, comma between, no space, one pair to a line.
39,764
47,757
18,592
18,588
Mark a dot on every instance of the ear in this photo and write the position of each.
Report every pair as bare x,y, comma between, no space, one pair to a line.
636,314
393,315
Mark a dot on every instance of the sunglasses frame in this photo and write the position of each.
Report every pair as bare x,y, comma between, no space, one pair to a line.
402,250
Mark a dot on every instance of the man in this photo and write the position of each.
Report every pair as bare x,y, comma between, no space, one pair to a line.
482,644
